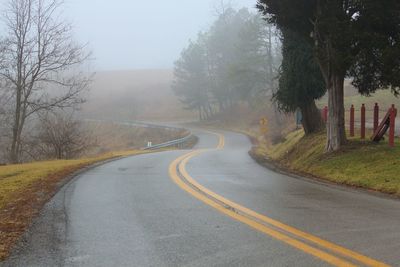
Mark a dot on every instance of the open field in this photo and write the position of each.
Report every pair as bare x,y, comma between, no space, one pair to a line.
383,97
134,95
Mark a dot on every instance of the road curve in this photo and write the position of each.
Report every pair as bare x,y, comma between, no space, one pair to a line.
156,210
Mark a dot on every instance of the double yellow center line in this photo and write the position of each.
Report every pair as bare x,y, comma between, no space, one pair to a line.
322,249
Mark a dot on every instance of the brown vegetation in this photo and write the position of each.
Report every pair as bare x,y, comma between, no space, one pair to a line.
25,188
113,136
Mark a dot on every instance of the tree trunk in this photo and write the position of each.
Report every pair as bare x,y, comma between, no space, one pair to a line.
59,156
220,105
311,118
210,110
206,114
336,135
334,80
14,151
200,114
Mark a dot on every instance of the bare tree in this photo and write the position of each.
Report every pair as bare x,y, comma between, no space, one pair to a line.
40,63
221,7
62,137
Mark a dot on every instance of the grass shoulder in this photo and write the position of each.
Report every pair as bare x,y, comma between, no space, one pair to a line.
25,188
359,163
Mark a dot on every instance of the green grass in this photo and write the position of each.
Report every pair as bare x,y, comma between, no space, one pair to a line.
360,163
383,97
370,165
281,150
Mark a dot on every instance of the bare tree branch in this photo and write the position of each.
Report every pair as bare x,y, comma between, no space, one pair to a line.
38,62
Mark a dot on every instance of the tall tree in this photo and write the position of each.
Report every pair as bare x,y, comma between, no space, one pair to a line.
300,81
255,68
222,42
236,60
356,38
191,82
38,55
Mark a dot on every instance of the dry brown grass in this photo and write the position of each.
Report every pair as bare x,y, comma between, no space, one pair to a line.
25,188
115,136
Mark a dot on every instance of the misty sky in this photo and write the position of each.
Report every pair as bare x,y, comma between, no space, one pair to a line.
136,34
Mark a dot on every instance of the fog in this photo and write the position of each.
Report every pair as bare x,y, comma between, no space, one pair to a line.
126,34
134,95
154,61
135,45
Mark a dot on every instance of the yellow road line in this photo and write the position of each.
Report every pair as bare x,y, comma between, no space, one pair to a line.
180,163
258,226
221,139
323,243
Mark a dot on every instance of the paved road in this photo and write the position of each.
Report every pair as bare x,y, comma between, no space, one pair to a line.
145,211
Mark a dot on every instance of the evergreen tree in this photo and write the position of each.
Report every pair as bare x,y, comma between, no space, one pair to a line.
300,81
354,38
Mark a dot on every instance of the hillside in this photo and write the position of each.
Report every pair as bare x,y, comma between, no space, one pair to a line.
383,97
134,95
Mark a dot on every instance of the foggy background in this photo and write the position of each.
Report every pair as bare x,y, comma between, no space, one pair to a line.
126,34
135,45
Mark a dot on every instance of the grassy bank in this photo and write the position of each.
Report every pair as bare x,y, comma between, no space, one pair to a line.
25,188
362,164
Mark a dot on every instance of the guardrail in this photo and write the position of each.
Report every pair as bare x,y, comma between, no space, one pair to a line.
137,124
176,142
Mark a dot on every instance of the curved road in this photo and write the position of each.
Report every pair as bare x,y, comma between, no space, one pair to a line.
211,207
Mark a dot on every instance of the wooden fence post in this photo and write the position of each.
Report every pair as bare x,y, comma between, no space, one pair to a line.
376,117
363,121
393,112
352,121
325,114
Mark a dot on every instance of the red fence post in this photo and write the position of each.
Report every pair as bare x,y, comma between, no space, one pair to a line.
325,114
352,121
376,117
363,121
393,112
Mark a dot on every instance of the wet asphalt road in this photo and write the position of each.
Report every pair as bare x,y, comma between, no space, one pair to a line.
130,213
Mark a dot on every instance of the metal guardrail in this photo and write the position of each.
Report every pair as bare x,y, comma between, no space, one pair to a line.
155,126
176,142
137,124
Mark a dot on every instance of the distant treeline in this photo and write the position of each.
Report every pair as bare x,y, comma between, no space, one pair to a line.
237,59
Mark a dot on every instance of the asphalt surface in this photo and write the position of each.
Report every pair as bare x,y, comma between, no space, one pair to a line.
130,213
